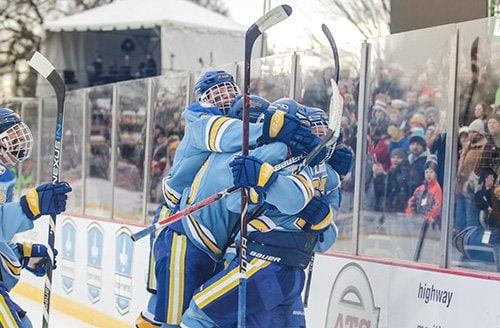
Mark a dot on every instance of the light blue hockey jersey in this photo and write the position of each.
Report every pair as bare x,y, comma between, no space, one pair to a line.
213,227
12,221
207,131
265,228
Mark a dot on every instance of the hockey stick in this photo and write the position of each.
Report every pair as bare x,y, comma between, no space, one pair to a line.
334,120
420,243
202,203
40,64
269,19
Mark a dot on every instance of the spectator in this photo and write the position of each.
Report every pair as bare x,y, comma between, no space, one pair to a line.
417,159
391,189
481,111
148,67
427,198
466,212
98,70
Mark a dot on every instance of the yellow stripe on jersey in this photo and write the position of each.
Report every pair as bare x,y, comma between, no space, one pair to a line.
325,222
172,197
6,317
227,283
196,182
207,241
176,287
259,225
14,269
214,130
305,185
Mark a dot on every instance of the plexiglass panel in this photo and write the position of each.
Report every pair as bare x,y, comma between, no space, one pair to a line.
98,182
270,76
72,148
131,130
169,101
402,192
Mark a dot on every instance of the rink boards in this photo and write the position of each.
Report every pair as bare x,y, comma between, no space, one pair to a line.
101,278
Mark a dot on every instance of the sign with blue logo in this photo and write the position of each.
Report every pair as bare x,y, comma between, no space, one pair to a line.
123,270
95,238
68,254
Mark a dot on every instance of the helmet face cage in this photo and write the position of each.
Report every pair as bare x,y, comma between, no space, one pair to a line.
220,95
16,144
318,121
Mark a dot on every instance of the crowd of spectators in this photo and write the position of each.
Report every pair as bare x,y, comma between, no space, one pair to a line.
407,115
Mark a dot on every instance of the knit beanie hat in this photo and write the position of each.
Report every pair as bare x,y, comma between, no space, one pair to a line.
418,136
478,126
418,119
399,152
431,163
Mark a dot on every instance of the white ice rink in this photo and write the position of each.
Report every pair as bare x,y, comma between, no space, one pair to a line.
57,318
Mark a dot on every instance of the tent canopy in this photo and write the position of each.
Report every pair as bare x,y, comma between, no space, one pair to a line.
138,14
179,34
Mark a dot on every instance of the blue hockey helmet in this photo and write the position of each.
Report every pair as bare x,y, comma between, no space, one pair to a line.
258,106
313,117
216,88
16,141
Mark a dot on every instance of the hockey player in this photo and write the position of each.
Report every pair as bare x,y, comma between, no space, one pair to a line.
279,244
190,251
209,129
16,143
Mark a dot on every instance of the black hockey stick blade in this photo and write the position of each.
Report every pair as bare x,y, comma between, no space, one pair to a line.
43,66
269,19
335,51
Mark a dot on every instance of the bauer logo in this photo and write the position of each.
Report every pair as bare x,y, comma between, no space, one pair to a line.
94,261
351,301
123,270
68,255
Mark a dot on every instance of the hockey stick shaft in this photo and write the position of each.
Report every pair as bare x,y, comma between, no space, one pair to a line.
202,204
334,116
40,64
420,242
269,19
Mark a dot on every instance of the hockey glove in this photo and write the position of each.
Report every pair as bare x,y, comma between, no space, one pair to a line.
46,199
251,172
34,257
258,106
317,216
341,160
280,126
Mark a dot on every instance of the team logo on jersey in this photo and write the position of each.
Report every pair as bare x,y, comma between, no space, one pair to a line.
2,197
68,255
123,270
351,301
94,261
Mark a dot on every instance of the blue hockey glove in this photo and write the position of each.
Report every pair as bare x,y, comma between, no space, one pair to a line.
341,160
287,128
249,171
320,157
316,216
34,257
46,199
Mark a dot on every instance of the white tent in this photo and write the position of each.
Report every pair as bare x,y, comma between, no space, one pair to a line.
179,34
